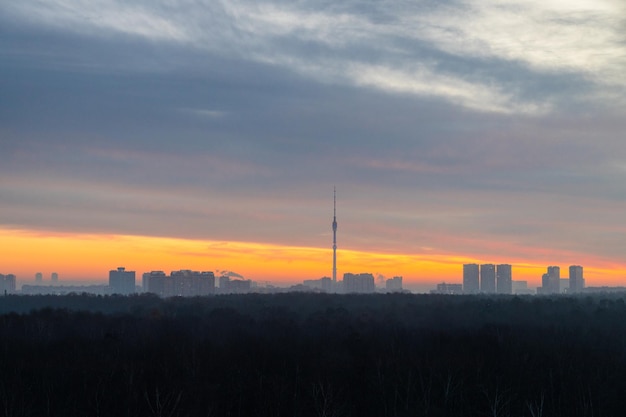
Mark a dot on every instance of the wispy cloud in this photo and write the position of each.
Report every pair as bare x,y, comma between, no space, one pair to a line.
406,47
205,113
94,17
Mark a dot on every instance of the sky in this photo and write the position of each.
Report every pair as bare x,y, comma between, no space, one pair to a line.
208,135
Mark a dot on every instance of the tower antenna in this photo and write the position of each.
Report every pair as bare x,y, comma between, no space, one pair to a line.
334,235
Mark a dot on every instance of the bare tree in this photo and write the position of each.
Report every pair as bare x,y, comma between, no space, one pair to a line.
325,400
536,407
163,405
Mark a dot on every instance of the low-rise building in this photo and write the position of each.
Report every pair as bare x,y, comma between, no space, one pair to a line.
452,289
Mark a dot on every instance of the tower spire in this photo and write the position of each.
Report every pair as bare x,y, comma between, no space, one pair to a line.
334,235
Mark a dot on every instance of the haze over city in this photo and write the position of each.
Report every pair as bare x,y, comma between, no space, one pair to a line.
210,135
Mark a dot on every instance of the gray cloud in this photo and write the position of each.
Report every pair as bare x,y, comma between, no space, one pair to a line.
397,48
233,120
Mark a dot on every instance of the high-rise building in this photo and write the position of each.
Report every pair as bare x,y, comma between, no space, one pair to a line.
204,283
224,283
187,283
394,284
234,286
38,277
471,279
551,281
183,283
54,277
154,282
504,279
576,280
488,278
358,283
7,284
555,279
239,286
122,281
326,284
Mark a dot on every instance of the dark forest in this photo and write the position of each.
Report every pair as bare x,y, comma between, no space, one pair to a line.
313,355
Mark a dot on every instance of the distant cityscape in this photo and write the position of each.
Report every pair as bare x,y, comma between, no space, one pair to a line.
188,283
498,279
477,279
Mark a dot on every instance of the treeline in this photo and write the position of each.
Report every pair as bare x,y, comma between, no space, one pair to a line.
313,355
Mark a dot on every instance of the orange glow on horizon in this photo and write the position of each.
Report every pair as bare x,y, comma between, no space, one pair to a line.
89,257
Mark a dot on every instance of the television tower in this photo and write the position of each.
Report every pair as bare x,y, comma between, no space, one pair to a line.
334,235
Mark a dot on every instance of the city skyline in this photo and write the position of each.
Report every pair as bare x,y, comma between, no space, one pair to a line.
209,136
474,279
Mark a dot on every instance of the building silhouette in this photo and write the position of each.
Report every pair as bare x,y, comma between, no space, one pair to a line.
64,289
324,284
358,283
488,278
39,277
204,284
238,286
451,289
521,288
471,279
576,280
504,279
7,284
394,284
54,277
224,281
187,283
183,283
551,281
122,281
154,282
234,286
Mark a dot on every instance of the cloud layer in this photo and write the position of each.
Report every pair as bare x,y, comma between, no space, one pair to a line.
457,127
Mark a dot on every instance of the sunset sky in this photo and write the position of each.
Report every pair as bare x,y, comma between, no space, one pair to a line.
208,135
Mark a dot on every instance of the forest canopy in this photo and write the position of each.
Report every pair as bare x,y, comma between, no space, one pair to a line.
313,355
